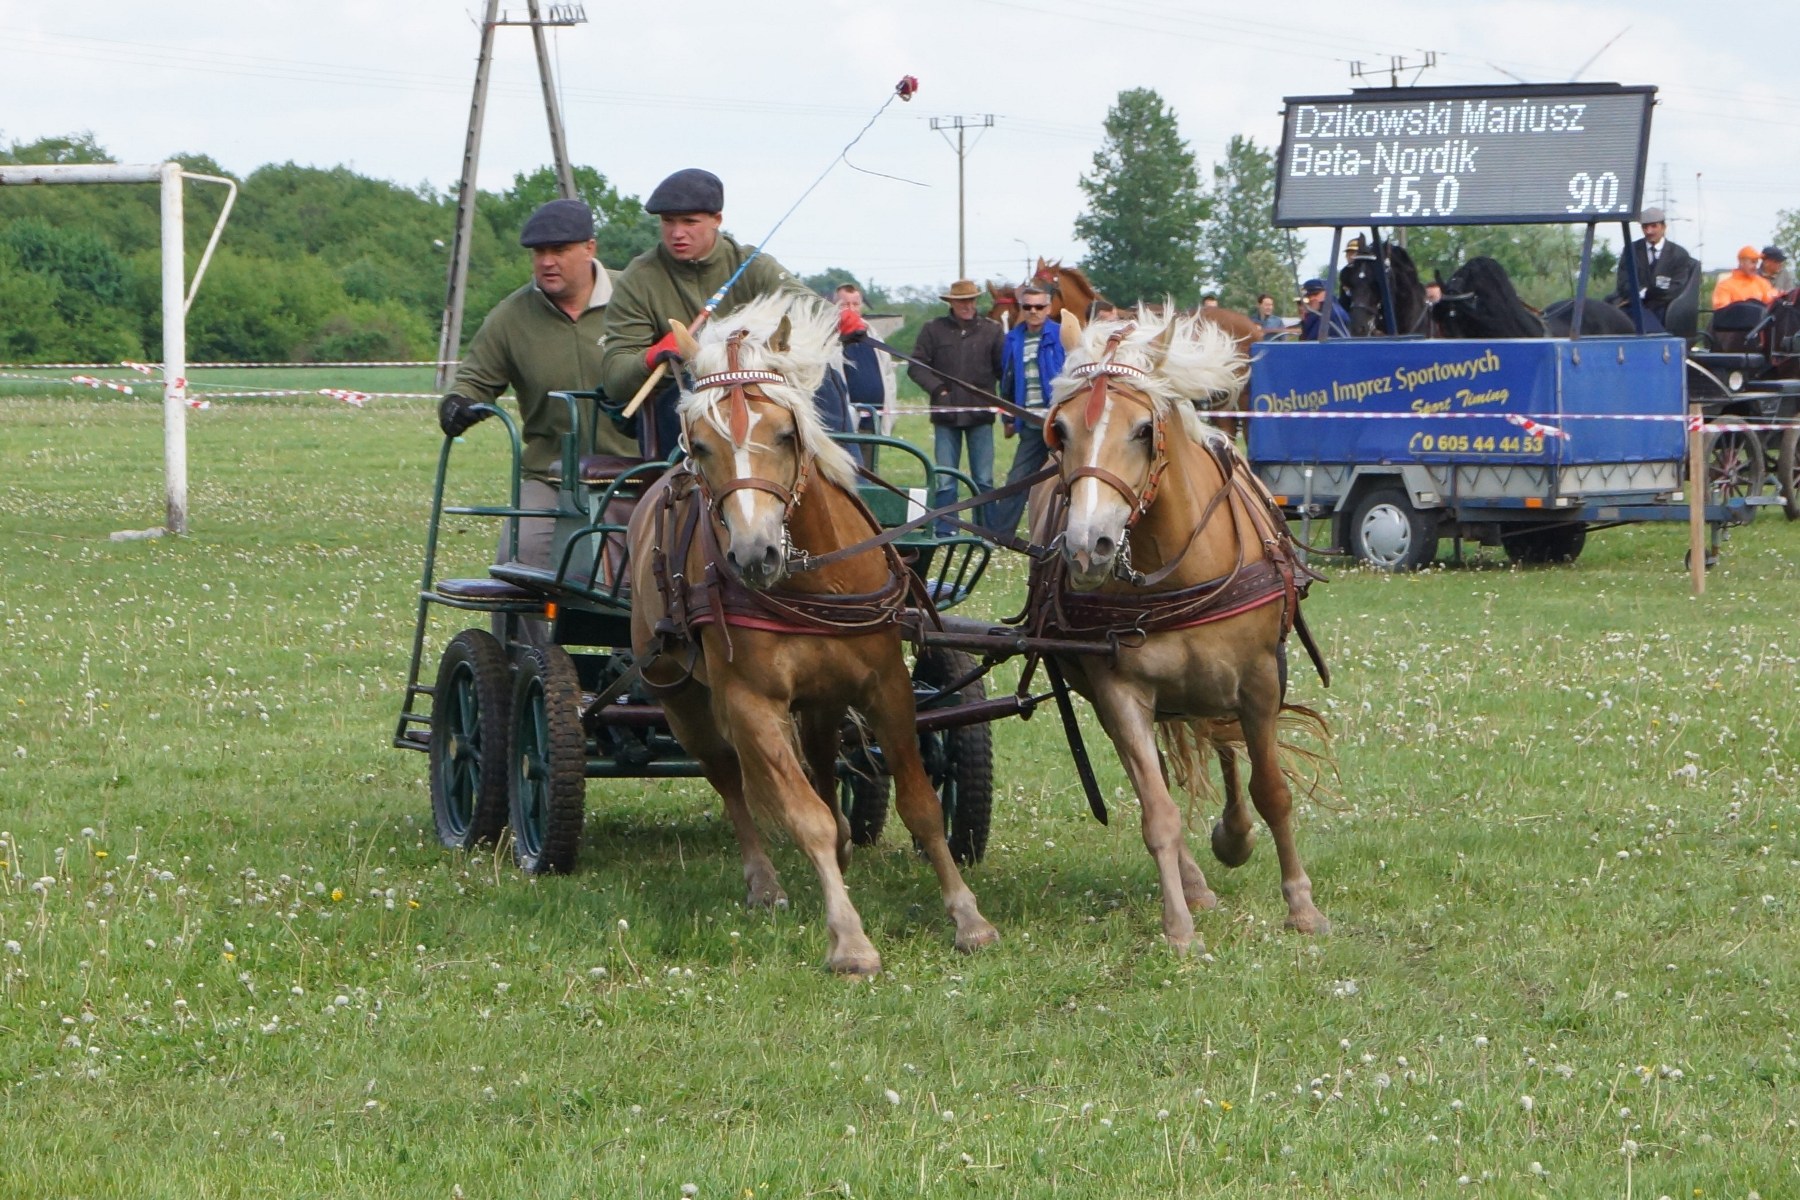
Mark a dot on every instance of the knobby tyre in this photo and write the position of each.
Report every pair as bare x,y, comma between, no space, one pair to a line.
470,707
547,782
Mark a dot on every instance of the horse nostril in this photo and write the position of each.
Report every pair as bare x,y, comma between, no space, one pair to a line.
770,556
1103,547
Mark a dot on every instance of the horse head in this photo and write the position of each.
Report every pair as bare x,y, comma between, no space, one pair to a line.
752,435
1124,400
1005,308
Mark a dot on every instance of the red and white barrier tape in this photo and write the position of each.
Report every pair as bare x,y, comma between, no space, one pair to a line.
1534,429
90,382
147,368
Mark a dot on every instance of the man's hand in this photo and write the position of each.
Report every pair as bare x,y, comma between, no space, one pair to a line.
662,351
851,324
456,414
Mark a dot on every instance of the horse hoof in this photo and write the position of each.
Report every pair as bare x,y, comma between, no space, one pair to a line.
771,899
971,940
1233,852
1203,900
1312,923
863,965
1182,947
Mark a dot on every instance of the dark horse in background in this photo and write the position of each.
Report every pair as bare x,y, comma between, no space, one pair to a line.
1481,302
1359,290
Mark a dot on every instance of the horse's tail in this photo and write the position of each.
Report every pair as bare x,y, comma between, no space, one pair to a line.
1303,740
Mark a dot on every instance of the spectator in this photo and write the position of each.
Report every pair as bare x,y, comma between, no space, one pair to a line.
867,372
1034,358
1745,283
1264,315
1775,269
1314,313
1102,310
967,349
1209,301
1664,269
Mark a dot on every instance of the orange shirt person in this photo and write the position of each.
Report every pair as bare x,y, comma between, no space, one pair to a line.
1745,283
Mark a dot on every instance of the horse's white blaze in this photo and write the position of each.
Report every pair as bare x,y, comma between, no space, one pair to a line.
740,461
1091,496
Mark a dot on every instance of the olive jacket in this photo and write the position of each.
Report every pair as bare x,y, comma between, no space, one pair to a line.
529,344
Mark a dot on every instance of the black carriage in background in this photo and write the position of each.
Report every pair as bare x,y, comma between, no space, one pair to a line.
1745,369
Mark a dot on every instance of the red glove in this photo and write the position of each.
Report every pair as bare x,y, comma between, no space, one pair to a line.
851,323
662,351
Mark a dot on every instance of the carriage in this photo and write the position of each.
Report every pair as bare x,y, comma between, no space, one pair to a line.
580,712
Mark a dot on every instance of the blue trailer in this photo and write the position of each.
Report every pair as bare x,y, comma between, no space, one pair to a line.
1525,444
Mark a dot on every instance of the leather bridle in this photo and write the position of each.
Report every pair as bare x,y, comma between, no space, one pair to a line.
744,385
1106,375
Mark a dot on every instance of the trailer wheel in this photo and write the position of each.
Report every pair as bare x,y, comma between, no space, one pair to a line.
959,760
1532,544
1735,464
469,707
1788,472
547,776
1388,533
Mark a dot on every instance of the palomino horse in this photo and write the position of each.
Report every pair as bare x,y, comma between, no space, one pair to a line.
756,666
1166,543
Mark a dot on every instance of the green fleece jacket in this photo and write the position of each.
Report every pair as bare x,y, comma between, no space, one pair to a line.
529,344
656,288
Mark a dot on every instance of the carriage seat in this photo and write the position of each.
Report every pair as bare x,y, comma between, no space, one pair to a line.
484,591
1732,325
601,470
1682,317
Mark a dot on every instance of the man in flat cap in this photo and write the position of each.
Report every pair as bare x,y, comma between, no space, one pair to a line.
970,352
673,281
1775,269
1664,269
543,338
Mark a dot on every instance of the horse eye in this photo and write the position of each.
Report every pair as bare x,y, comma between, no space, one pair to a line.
1062,432
699,450
1143,432
787,436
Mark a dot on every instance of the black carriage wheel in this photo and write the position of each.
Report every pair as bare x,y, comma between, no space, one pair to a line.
1787,471
469,707
863,788
547,776
1531,544
1389,534
1735,464
963,772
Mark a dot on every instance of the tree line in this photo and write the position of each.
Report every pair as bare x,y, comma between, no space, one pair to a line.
317,264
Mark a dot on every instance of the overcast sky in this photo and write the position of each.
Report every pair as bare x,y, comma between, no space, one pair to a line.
765,95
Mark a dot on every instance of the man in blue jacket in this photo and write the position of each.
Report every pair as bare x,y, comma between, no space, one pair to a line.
1320,308
1031,360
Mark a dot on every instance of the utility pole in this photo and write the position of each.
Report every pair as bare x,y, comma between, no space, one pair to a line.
457,280
1397,64
960,124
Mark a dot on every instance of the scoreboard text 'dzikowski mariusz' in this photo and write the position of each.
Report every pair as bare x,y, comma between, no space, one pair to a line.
1463,156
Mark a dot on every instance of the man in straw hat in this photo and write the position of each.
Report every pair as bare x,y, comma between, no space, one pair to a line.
1664,269
958,358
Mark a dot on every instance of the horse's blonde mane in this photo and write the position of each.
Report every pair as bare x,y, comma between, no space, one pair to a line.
813,348
1201,361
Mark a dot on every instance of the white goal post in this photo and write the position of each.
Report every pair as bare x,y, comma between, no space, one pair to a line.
177,296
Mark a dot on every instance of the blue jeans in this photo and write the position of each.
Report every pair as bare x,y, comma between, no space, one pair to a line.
950,441
1027,459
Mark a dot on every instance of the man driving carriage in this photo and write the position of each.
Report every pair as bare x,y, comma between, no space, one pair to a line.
673,281
1664,270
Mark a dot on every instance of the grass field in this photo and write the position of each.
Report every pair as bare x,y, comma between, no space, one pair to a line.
234,961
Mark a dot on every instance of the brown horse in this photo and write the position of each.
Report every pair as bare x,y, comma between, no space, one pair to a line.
758,667
1166,540
1005,306
1071,290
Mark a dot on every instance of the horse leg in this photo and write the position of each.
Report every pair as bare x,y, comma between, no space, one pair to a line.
698,732
821,736
775,782
1269,791
890,718
1233,836
1128,717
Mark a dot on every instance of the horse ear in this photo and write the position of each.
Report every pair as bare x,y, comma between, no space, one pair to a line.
1166,338
990,288
684,341
781,338
1069,331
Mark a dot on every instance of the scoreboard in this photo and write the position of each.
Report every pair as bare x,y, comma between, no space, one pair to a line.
1532,153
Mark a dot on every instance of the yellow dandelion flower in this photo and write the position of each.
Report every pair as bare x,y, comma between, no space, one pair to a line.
1224,1106
99,854
412,904
230,957
337,894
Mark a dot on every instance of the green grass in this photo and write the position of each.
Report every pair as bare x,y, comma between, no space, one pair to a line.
1561,867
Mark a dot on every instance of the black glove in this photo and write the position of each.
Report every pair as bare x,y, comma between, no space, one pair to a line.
456,414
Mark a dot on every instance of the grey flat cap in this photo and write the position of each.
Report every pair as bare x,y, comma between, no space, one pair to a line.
557,223
687,191
1652,216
